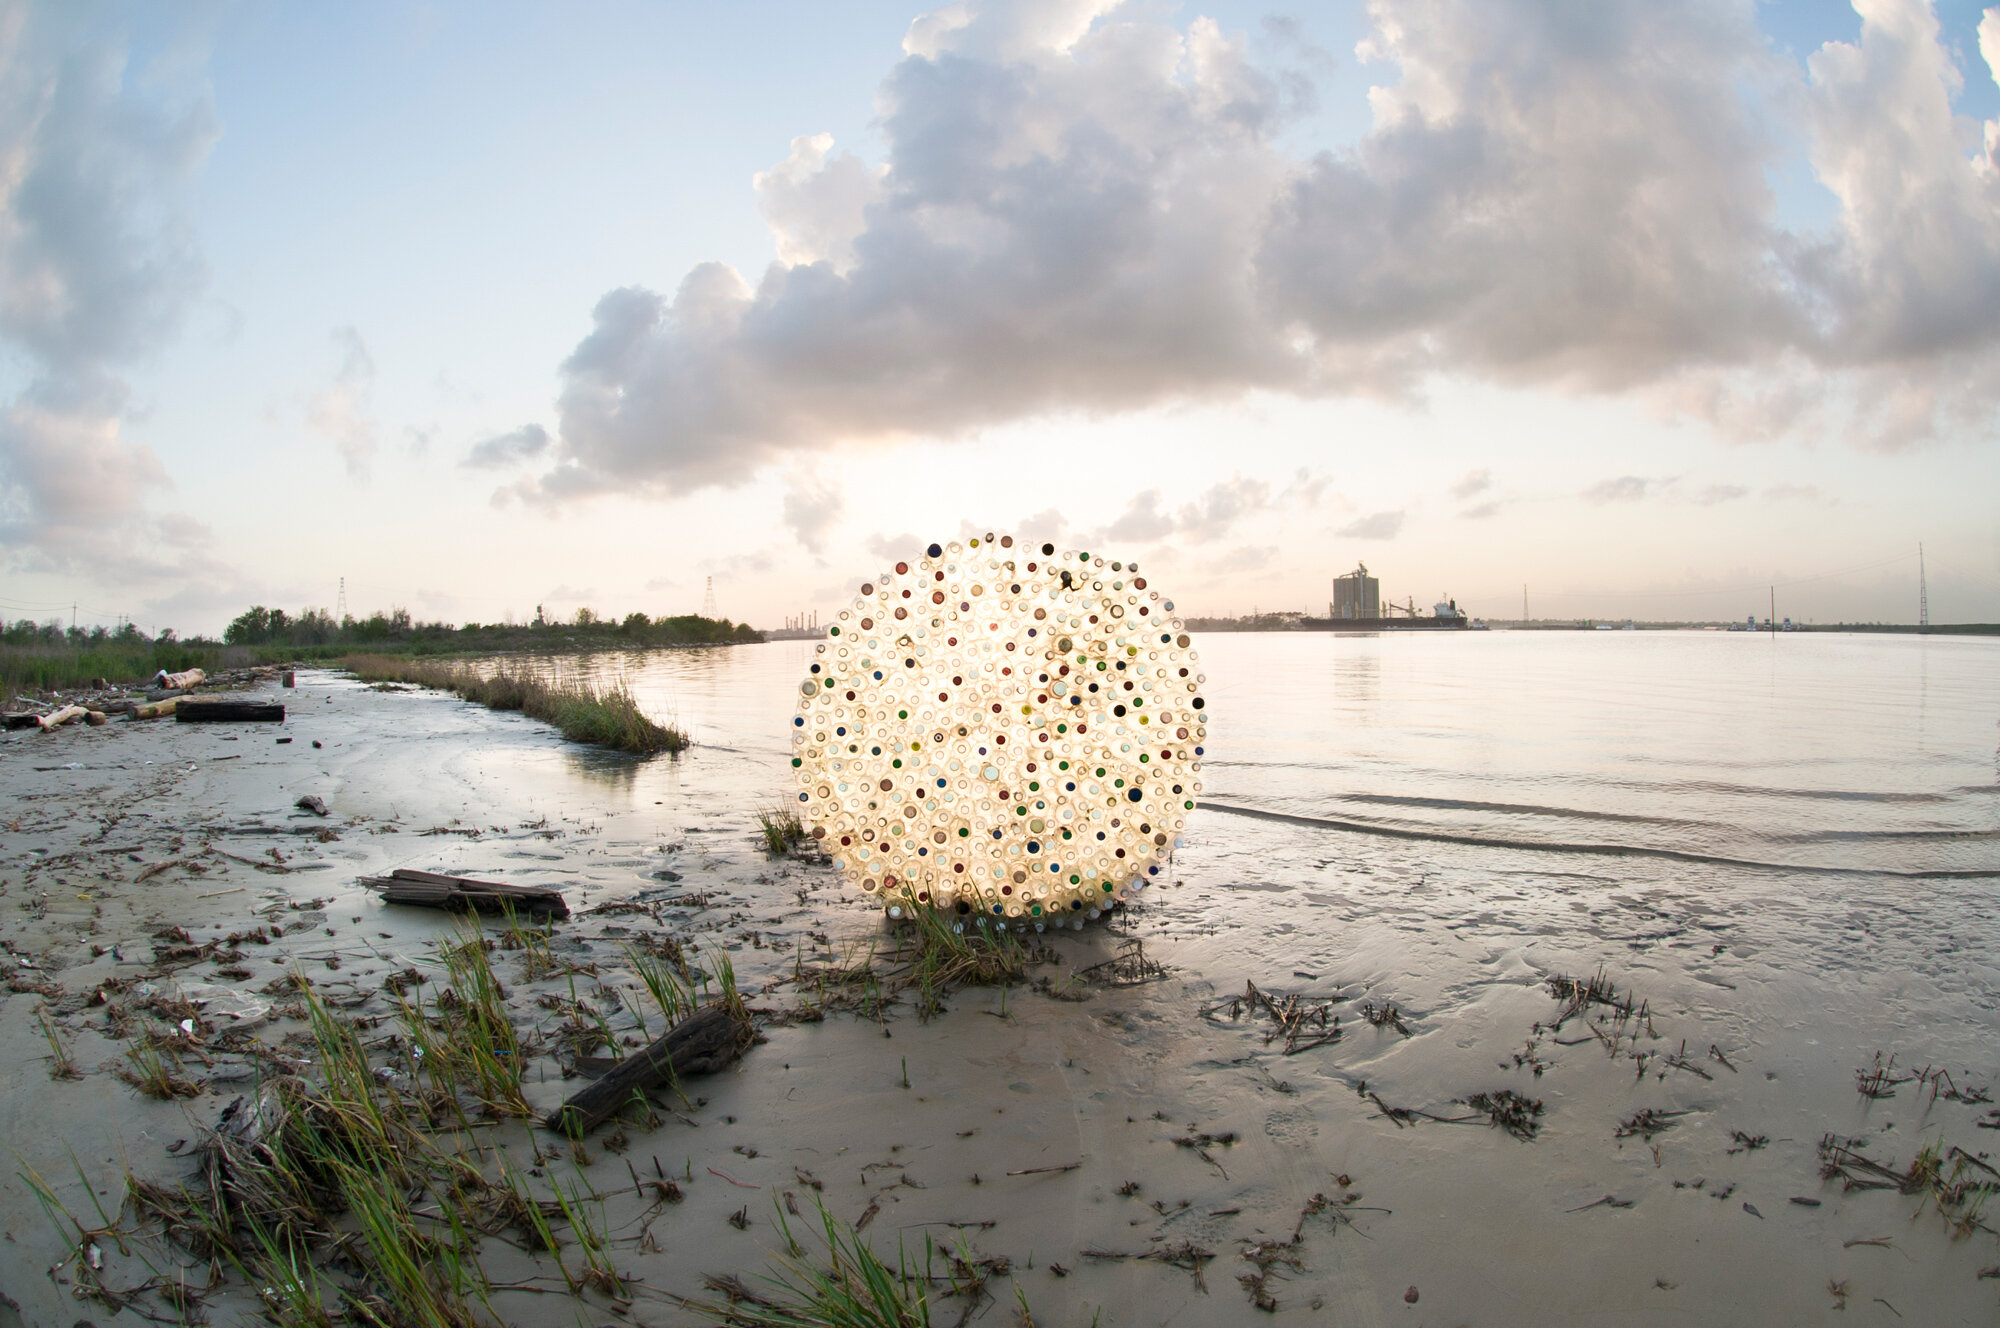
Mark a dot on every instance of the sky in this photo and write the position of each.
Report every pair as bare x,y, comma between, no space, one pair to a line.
1644,309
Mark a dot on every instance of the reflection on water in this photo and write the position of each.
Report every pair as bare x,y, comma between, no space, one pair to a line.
1856,752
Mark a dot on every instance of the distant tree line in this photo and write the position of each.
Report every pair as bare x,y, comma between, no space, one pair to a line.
260,626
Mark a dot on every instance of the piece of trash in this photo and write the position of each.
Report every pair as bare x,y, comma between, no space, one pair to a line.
1410,1296
1751,1209
1805,1203
311,803
283,741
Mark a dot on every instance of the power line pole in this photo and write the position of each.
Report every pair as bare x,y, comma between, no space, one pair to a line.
340,608
708,600
1923,590
1524,602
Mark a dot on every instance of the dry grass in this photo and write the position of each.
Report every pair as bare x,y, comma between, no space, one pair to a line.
584,712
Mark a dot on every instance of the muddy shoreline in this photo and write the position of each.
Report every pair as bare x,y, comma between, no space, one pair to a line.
1335,1179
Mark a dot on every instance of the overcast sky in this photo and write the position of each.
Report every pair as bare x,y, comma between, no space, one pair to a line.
1642,306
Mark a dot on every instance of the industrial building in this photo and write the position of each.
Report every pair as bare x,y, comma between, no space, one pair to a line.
1357,595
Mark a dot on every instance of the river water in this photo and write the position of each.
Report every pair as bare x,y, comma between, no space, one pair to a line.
1838,752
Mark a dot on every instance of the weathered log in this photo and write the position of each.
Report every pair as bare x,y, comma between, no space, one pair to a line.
97,719
23,720
406,885
57,718
154,709
205,709
178,681
704,1042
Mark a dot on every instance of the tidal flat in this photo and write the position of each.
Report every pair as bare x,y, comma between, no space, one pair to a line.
1684,1015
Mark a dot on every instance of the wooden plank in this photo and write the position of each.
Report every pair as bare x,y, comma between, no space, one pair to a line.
202,709
706,1041
406,885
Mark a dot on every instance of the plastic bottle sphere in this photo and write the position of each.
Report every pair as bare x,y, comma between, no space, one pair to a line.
1000,730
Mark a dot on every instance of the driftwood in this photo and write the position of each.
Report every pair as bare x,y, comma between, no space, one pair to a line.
309,803
57,718
154,709
178,681
97,719
704,1042
203,709
436,890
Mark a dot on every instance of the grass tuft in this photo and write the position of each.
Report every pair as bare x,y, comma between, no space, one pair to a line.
849,1287
781,829
584,712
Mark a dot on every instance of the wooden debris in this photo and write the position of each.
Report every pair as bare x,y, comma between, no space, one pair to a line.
57,718
97,719
704,1042
179,682
155,709
312,803
23,719
406,885
207,709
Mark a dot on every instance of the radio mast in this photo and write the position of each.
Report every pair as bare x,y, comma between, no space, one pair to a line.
1923,590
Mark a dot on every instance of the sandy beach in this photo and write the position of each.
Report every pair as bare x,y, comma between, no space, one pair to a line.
1113,1143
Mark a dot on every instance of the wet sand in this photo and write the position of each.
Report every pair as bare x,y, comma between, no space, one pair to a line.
1339,1143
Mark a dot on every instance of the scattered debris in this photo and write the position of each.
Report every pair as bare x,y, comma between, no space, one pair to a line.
436,890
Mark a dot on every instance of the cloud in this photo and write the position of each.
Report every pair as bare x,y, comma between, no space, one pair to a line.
814,206
1377,525
1473,481
1083,209
341,413
1246,558
97,268
1807,493
894,546
1624,489
508,449
812,509
1214,512
1482,511
1711,494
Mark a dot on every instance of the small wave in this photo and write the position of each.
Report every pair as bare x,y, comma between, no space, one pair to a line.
1765,791
1839,836
1605,850
1515,808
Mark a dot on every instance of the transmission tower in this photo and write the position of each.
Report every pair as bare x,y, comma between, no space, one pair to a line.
340,609
1923,591
708,600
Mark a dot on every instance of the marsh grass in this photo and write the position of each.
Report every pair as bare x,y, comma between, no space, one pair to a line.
604,716
62,1065
848,1286
360,1191
1957,1183
931,957
781,830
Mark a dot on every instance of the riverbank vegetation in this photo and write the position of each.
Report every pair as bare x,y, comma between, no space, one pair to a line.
50,656
584,712
316,633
